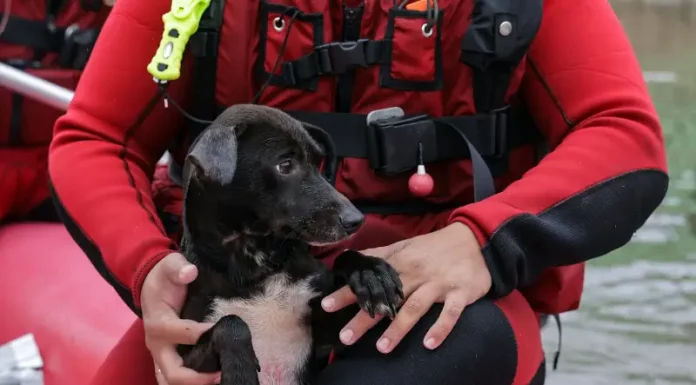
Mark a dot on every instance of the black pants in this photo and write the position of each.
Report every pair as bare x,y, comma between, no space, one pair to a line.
481,350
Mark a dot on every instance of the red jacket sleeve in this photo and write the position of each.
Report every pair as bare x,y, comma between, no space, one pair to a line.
606,172
101,162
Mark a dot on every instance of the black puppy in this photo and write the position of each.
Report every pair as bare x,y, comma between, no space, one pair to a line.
254,202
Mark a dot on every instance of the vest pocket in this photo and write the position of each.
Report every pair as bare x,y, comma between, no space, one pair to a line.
286,35
414,53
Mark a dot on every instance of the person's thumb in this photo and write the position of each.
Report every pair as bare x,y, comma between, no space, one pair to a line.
178,270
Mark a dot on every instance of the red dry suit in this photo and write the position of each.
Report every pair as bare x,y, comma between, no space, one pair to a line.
51,39
502,73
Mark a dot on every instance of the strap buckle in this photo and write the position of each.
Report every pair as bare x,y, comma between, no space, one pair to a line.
394,140
334,59
77,46
340,57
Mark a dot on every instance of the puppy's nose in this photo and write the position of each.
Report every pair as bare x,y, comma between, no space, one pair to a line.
351,220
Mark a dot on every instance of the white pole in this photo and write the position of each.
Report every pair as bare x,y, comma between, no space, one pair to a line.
41,90
35,87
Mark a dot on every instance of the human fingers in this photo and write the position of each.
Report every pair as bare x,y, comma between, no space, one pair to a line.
413,309
338,299
174,373
357,327
159,376
455,302
178,269
175,330
166,284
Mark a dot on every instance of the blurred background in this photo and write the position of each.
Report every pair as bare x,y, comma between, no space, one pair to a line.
637,321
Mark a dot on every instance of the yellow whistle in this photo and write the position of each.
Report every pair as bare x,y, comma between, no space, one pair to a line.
179,24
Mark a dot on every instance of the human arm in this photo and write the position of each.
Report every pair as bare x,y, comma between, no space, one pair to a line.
605,174
100,164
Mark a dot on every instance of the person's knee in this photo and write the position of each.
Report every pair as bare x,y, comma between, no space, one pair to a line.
481,349
482,345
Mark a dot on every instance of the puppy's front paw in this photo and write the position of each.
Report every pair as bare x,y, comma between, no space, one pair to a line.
239,362
245,370
373,280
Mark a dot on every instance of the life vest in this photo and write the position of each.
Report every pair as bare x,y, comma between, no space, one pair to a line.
52,40
452,66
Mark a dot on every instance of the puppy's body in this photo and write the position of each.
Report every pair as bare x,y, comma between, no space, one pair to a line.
277,307
253,205
277,321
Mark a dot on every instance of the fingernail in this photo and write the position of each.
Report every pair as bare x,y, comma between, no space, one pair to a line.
328,303
346,336
383,345
430,343
218,379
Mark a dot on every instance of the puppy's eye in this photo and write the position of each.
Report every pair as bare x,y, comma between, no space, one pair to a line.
284,167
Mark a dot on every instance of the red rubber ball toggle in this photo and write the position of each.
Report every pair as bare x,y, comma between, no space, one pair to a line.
421,184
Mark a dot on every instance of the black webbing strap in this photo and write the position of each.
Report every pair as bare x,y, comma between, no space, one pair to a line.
92,5
496,40
71,43
14,138
482,138
53,7
493,134
482,178
335,58
16,119
204,47
41,35
36,34
484,184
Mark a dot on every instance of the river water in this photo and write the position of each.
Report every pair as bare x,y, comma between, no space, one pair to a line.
637,321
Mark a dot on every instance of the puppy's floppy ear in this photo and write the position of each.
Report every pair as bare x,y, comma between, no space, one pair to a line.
213,156
328,149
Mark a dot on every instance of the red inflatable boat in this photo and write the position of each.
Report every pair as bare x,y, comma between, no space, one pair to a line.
49,288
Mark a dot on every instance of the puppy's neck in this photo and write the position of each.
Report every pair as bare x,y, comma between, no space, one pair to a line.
243,258
262,250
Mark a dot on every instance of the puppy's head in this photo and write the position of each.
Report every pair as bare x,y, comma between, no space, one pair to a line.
255,171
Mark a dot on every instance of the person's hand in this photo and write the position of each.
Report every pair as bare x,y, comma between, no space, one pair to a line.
443,266
161,299
109,3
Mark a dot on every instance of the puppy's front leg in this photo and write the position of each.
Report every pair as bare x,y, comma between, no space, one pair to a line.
373,280
226,347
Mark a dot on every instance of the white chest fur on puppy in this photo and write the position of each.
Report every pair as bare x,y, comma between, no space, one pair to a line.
276,318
